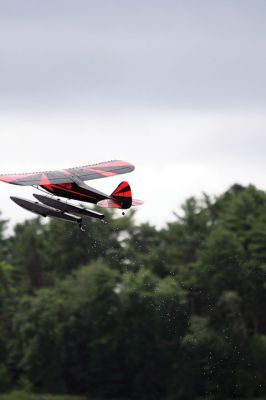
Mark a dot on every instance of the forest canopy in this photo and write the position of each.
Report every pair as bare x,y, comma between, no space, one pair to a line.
127,311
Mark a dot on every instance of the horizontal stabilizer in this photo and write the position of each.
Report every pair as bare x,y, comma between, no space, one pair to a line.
112,204
136,202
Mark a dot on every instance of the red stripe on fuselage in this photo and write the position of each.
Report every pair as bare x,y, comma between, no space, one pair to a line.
62,187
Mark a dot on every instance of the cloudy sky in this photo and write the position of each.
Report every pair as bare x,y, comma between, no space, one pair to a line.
175,87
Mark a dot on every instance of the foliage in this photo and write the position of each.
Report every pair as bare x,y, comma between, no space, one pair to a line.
20,395
127,311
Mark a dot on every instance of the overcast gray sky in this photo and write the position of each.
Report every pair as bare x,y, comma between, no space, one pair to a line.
175,87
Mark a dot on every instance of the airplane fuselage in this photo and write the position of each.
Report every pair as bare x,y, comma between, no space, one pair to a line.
76,191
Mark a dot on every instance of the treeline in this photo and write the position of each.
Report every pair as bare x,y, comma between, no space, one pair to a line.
126,311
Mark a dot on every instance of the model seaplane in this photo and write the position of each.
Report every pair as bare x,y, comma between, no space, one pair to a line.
69,183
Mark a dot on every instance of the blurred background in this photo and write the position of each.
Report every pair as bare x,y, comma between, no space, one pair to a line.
176,88
166,302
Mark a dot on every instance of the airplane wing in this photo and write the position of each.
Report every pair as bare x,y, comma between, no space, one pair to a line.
85,173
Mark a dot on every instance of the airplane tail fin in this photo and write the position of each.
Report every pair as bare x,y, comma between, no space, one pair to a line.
122,195
120,198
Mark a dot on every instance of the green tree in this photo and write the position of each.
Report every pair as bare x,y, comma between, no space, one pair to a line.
27,255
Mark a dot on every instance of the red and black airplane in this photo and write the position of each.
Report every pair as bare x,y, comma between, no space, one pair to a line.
69,183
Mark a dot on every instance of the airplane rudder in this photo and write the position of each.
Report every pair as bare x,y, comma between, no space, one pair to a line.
123,195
